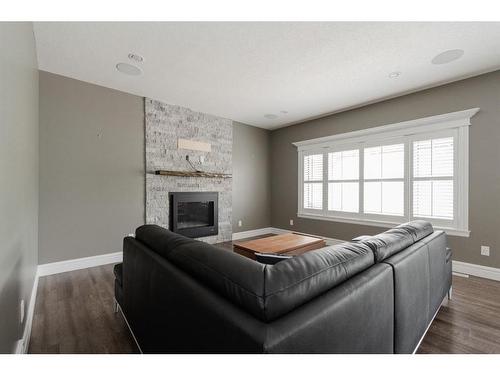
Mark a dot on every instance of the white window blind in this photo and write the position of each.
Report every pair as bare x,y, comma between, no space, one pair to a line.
313,182
343,181
433,178
384,179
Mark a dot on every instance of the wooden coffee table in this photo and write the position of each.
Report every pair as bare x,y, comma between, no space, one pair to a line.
289,244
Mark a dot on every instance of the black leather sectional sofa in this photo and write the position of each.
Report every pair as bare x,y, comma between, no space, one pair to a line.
376,294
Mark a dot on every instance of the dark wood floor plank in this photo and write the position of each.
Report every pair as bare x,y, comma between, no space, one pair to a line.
470,322
74,314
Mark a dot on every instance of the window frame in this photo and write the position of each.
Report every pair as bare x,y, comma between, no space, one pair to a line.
455,124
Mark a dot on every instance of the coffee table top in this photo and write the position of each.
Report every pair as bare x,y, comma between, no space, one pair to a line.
281,243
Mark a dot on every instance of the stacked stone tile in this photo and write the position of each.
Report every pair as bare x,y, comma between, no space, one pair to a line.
165,124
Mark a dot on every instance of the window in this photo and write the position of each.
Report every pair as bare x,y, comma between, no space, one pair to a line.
384,179
343,181
433,178
391,174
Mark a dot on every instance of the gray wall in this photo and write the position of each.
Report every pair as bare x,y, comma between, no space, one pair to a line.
484,186
251,177
18,176
92,188
91,168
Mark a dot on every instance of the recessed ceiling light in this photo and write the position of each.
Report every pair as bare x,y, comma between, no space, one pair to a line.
135,57
128,69
448,56
394,74
270,116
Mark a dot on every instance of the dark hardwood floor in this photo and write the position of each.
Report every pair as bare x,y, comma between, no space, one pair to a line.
470,322
74,314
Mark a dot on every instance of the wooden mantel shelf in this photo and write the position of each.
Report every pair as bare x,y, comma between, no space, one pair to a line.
193,174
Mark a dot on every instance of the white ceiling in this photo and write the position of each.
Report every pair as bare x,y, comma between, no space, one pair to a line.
243,71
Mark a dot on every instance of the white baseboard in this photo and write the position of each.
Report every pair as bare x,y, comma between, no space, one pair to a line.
23,344
78,264
476,270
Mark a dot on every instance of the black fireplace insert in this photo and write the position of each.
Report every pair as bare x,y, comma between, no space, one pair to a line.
194,214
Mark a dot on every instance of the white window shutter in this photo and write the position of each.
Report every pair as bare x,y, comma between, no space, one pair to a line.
433,193
343,181
313,185
313,167
384,188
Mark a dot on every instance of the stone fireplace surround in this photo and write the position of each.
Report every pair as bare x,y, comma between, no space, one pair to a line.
165,124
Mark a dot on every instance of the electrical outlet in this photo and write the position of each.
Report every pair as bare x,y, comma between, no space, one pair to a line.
485,250
21,311
291,222
239,223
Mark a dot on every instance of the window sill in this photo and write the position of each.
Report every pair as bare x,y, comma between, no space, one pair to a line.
381,224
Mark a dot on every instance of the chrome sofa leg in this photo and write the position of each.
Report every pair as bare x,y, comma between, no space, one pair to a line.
116,306
450,292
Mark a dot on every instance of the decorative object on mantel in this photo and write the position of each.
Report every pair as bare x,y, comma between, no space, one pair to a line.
193,174
191,164
188,144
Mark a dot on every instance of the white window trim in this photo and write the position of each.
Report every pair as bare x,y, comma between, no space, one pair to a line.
455,120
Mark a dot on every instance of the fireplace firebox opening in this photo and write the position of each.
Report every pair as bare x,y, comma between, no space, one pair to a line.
194,214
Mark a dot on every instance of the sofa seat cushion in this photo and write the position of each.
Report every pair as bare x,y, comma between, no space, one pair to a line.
396,239
118,271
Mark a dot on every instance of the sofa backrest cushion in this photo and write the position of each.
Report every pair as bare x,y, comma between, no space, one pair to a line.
160,240
397,239
264,291
239,279
293,282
